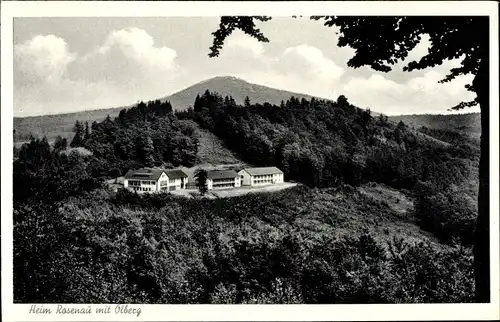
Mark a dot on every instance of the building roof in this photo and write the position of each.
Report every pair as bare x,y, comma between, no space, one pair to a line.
262,171
154,174
144,174
221,174
176,174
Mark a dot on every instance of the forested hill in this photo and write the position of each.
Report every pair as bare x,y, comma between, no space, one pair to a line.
234,87
334,239
321,143
469,123
52,126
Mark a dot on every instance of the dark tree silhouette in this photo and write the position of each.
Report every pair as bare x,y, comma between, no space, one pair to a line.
247,101
464,38
86,134
79,134
60,144
228,24
201,176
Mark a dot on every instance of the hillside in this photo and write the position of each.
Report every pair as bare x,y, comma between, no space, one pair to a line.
57,124
470,123
212,151
62,124
237,88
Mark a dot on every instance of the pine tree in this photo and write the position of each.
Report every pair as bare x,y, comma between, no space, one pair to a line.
201,177
79,133
167,108
247,102
86,134
313,103
60,144
197,104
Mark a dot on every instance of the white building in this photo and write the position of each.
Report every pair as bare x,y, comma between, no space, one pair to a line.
260,176
149,180
222,179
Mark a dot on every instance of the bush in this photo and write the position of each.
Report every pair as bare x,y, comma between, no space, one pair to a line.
450,215
249,249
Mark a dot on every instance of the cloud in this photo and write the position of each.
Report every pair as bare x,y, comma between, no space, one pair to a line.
129,65
241,44
302,69
125,68
44,58
422,94
310,62
137,45
127,57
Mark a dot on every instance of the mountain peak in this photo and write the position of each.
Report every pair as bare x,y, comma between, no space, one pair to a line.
225,78
235,87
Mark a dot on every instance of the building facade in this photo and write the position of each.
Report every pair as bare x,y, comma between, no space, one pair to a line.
223,179
147,180
260,176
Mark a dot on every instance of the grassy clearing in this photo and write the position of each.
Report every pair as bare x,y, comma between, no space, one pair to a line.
211,150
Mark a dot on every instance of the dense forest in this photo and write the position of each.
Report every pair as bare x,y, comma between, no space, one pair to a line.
323,143
320,143
147,134
322,242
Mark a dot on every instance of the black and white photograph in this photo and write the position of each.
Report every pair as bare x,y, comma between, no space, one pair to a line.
250,159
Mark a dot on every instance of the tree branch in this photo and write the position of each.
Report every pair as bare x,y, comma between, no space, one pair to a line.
229,23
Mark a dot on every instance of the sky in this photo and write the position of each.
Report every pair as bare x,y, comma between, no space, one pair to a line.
72,64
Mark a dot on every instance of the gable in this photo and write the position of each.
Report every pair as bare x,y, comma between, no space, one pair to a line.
176,174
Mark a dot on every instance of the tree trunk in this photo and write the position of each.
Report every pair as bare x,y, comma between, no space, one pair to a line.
482,234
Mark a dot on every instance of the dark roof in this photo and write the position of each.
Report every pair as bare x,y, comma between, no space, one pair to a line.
176,174
145,174
262,171
221,174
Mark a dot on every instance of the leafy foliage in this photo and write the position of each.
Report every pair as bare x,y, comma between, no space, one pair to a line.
144,135
41,173
229,23
249,249
450,214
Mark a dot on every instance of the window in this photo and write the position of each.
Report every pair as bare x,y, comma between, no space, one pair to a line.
223,185
134,183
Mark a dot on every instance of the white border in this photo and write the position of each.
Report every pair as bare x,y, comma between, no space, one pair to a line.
19,312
